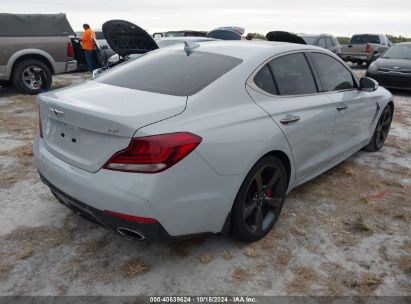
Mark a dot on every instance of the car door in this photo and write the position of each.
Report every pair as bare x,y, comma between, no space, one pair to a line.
353,108
286,89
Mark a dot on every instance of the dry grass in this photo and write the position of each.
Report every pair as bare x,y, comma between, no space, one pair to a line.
25,251
135,267
93,247
283,258
205,258
358,226
240,274
5,271
250,251
302,280
45,237
181,249
227,255
404,264
365,284
18,170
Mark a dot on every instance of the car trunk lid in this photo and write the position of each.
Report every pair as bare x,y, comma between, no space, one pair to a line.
85,125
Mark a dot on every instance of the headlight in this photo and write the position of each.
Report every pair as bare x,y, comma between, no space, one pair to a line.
372,68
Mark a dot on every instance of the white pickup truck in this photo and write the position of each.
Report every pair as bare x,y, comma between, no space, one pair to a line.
365,48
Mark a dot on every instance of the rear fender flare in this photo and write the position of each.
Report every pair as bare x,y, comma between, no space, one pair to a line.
26,53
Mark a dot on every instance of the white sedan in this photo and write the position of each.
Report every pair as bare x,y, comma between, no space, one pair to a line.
205,139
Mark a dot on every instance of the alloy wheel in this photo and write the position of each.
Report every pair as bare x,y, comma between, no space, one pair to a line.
383,127
29,78
264,199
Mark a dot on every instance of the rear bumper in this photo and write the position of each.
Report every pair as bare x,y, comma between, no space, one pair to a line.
354,57
188,199
71,65
152,232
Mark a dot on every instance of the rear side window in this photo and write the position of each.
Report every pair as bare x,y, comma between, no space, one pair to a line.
264,80
363,39
333,74
170,72
293,75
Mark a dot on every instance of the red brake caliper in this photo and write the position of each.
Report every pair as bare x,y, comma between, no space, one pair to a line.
269,192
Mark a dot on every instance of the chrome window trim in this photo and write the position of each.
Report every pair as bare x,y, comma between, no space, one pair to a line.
250,80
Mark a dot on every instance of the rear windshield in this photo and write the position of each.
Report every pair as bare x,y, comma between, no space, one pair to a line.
170,72
363,39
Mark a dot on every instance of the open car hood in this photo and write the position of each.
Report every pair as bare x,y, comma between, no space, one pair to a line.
126,38
284,37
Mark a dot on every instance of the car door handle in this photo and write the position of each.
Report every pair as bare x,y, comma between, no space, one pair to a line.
289,119
342,107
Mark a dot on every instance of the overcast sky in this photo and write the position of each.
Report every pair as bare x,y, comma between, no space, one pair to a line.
339,17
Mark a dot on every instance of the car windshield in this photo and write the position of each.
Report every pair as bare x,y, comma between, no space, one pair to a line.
170,72
399,52
362,39
309,40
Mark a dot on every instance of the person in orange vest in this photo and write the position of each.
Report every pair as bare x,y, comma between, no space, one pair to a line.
88,45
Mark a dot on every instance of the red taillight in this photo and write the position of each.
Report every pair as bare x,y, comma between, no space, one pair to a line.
132,218
153,154
368,48
40,127
70,50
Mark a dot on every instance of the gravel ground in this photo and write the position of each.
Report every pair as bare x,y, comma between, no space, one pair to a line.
346,232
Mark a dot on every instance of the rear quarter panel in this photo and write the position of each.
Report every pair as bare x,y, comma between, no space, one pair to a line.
236,132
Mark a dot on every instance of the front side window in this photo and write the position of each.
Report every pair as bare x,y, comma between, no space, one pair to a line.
333,74
293,75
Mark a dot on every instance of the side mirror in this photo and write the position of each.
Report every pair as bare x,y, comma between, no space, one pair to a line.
368,84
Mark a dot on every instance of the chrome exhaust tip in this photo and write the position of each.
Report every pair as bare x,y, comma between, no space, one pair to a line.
131,234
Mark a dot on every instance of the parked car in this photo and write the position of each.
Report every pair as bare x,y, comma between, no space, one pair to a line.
33,47
103,51
365,48
393,69
207,140
326,41
186,33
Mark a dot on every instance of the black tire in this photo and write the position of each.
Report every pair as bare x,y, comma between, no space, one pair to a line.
23,70
359,63
381,130
5,83
260,200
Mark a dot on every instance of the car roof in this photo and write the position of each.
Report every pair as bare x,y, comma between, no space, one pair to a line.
315,35
245,49
186,38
